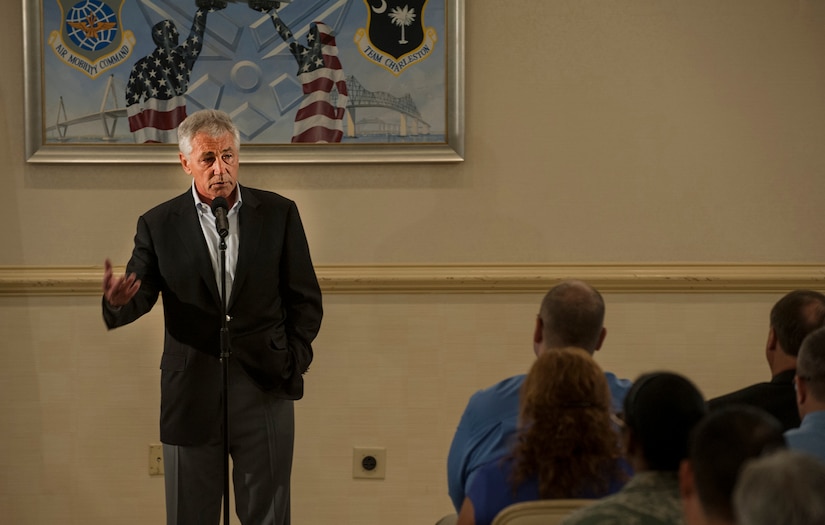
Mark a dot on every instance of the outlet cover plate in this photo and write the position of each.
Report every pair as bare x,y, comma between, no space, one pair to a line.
156,460
378,456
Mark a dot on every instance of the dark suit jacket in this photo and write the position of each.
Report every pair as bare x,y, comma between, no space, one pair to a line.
275,307
777,398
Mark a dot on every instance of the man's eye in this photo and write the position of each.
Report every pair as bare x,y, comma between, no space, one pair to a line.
228,158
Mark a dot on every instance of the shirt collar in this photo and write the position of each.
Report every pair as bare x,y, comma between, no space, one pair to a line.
785,376
202,206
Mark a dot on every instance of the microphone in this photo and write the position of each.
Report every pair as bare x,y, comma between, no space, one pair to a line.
219,208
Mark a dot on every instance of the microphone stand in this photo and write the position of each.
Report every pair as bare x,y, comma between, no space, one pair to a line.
225,353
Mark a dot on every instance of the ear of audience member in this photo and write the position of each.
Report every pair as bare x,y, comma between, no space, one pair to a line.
785,488
810,397
719,445
566,446
660,411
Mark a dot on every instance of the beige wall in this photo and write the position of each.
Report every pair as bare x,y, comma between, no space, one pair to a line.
639,131
597,130
79,404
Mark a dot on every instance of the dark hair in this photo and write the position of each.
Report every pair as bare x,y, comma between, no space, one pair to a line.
796,315
572,314
810,366
720,444
565,436
660,410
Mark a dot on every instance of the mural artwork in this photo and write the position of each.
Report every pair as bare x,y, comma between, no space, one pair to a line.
358,72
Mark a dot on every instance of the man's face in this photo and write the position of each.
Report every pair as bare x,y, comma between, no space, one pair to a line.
213,164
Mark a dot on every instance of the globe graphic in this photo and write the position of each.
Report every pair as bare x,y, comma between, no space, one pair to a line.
91,25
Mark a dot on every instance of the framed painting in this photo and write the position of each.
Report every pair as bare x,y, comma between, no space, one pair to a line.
305,81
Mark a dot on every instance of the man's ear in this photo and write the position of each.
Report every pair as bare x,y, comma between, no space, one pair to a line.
538,336
602,335
801,387
687,487
185,163
688,491
772,343
538,331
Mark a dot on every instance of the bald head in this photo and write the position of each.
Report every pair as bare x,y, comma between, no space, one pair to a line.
572,314
796,315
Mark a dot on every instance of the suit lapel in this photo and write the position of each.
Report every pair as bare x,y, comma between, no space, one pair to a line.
189,231
250,224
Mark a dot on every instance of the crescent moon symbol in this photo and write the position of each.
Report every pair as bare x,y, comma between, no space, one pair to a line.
380,9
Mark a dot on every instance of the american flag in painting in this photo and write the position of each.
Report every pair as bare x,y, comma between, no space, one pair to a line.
320,116
155,94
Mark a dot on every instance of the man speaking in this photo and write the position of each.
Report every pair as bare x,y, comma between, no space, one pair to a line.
273,313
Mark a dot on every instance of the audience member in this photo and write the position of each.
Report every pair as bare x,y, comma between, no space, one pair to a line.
810,397
792,318
719,445
566,446
572,314
781,488
660,411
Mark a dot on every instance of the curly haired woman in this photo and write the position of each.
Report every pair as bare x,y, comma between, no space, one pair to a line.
567,445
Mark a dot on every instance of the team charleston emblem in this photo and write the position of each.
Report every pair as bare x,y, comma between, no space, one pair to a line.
395,37
91,38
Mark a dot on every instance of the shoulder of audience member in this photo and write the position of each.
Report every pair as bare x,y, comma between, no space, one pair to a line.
503,388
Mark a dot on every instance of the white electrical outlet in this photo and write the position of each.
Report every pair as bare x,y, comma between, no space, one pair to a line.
156,460
369,462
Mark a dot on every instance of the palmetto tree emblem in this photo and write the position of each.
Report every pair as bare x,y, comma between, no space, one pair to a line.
402,17
379,43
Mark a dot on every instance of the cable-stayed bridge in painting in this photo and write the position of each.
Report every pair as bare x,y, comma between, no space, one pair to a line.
408,122
107,115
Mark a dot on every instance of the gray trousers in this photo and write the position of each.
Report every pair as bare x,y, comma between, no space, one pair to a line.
262,430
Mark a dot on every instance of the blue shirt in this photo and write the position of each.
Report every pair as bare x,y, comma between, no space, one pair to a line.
810,436
489,424
490,490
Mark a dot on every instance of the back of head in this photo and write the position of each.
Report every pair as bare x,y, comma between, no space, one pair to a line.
212,122
572,314
796,315
660,411
784,487
565,436
810,365
720,444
